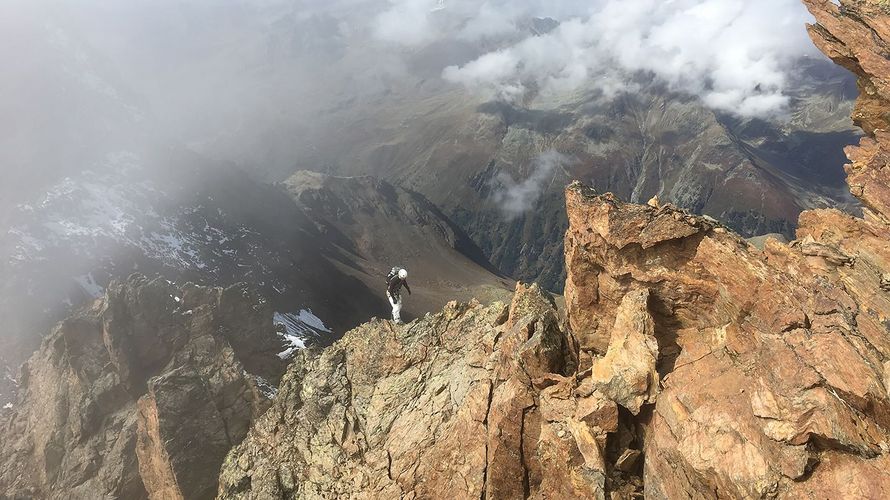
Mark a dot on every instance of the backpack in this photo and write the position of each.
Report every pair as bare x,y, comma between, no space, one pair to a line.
393,273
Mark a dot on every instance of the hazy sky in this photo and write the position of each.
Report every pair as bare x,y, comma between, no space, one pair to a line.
245,79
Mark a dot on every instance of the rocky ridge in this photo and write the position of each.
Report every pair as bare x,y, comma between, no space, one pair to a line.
465,403
691,364
141,394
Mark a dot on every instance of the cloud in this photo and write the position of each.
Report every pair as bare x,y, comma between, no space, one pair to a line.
406,22
516,197
734,54
265,83
415,22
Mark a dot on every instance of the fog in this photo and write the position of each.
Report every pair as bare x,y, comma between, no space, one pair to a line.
516,197
250,81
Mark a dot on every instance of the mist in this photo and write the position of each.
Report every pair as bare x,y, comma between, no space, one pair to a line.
254,82
514,197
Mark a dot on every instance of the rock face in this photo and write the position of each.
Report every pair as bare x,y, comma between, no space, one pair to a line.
141,395
773,363
856,35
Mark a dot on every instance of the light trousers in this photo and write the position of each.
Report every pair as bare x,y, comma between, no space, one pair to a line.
396,303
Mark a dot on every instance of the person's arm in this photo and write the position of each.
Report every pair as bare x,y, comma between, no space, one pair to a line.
407,287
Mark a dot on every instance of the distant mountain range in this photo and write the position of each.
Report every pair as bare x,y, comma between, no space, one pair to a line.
477,160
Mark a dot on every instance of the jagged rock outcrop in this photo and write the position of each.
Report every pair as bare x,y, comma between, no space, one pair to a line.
856,35
773,362
140,395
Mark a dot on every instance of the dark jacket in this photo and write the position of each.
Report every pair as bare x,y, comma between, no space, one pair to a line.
395,286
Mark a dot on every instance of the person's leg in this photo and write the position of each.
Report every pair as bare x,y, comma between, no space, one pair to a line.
397,310
392,303
396,304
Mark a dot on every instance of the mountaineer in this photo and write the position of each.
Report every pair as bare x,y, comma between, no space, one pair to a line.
394,281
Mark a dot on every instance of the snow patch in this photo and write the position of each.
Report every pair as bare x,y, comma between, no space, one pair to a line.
266,388
7,406
312,320
298,326
89,285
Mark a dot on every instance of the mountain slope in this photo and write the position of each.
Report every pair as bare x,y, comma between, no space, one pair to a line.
173,215
315,247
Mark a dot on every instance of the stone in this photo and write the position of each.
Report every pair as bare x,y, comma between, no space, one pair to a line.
628,460
627,374
653,202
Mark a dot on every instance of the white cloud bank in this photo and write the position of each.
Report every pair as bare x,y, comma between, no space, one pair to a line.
735,55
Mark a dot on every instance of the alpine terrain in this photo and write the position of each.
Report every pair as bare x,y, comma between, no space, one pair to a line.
193,287
691,364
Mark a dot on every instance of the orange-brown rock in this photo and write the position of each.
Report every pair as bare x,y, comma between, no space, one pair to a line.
856,35
772,361
626,374
139,396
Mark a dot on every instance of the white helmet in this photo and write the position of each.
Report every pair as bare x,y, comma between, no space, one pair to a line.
403,273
